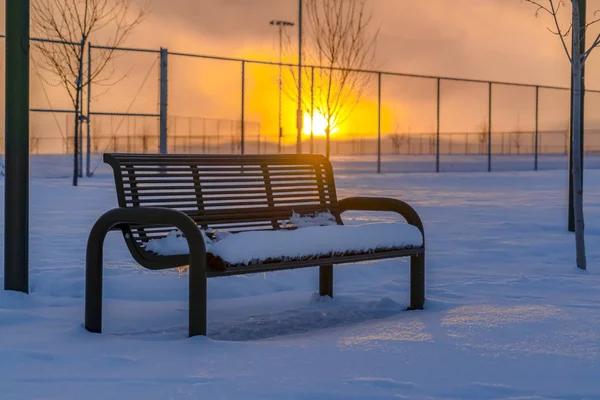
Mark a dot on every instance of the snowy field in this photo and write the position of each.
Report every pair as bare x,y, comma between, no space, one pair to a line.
508,316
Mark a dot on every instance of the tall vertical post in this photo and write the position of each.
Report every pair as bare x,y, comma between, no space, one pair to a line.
16,193
88,171
164,96
537,132
80,123
299,112
490,128
77,121
280,133
312,109
582,29
437,130
79,108
379,123
243,122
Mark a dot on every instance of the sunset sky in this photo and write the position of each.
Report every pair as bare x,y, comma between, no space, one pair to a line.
498,40
484,39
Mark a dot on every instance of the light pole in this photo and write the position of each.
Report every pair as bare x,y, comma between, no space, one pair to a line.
280,24
299,113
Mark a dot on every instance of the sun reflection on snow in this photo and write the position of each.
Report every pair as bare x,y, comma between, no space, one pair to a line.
400,331
496,316
514,330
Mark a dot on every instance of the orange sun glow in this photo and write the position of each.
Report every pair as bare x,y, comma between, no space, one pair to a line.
319,125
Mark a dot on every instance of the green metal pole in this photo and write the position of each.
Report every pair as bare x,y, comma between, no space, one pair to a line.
16,203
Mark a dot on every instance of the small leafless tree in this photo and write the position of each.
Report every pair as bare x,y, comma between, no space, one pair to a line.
67,27
577,58
516,137
517,140
340,44
483,136
96,137
398,140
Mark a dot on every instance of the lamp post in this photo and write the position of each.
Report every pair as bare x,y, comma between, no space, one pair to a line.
280,24
299,113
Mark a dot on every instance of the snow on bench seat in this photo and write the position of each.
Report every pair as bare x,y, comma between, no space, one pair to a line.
252,247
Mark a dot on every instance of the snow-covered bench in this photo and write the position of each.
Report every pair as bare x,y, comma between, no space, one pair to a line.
225,215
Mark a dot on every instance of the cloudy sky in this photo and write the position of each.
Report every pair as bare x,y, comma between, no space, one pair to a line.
484,39
499,40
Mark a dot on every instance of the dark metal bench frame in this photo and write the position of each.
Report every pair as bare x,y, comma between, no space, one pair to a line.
130,215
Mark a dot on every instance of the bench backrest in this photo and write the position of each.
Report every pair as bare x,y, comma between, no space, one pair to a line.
225,192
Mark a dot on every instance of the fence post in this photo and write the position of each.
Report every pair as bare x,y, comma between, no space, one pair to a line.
379,123
243,123
537,133
312,108
88,172
490,128
437,132
164,95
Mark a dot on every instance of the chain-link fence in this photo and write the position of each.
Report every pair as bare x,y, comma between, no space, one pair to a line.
400,123
217,105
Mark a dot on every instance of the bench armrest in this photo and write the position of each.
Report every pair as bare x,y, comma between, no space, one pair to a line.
146,215
383,204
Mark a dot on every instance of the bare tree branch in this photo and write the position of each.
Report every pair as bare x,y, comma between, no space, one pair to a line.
553,10
340,43
74,22
69,26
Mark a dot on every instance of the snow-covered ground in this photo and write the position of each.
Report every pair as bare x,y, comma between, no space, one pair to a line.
508,316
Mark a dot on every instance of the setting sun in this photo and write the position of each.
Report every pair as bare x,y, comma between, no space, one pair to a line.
319,125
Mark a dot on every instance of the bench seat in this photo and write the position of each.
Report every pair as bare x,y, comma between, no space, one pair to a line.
306,243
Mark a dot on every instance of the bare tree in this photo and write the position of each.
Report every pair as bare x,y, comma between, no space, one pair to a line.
516,137
577,59
398,140
67,27
483,136
340,44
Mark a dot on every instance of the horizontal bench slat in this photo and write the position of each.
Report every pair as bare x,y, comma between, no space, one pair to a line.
162,179
247,194
181,202
204,175
213,187
216,167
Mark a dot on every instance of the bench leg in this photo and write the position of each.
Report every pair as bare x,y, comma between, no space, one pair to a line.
326,280
93,284
197,297
417,282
